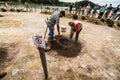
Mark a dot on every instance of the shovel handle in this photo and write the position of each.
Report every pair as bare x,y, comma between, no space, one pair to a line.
46,28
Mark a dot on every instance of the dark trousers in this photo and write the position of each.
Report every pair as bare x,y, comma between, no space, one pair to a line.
101,14
77,34
51,28
106,14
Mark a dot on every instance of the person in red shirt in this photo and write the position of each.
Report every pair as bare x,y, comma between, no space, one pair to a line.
76,26
109,9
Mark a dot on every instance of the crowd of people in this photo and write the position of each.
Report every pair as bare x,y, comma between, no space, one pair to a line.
27,7
105,11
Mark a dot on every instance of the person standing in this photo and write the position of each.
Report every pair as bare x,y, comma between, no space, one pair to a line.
83,10
6,5
76,7
54,19
102,11
76,26
109,9
115,15
70,8
79,11
88,10
95,10
27,5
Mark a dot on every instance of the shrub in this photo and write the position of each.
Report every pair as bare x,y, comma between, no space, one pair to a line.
110,22
91,19
3,10
83,18
68,15
1,16
94,20
18,10
118,24
12,10
66,9
103,20
45,12
75,16
47,8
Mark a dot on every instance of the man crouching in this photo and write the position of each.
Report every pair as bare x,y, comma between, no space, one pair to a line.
76,26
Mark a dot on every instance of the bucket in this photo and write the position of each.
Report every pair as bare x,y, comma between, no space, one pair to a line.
63,28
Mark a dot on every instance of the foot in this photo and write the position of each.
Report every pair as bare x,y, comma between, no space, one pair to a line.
50,39
2,75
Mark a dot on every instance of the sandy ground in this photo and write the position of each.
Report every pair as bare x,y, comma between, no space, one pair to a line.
95,57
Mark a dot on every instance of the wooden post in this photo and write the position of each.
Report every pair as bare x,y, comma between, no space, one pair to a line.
43,60
40,43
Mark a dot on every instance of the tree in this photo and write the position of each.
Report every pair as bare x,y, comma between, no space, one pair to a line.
82,3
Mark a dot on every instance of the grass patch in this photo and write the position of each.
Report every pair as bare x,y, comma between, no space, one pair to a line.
1,16
102,20
12,10
109,22
94,20
68,15
3,10
75,16
118,24
46,12
83,17
19,10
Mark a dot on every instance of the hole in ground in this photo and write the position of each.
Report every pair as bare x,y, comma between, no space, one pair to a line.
71,51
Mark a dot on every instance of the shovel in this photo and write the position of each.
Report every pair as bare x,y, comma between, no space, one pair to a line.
46,28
